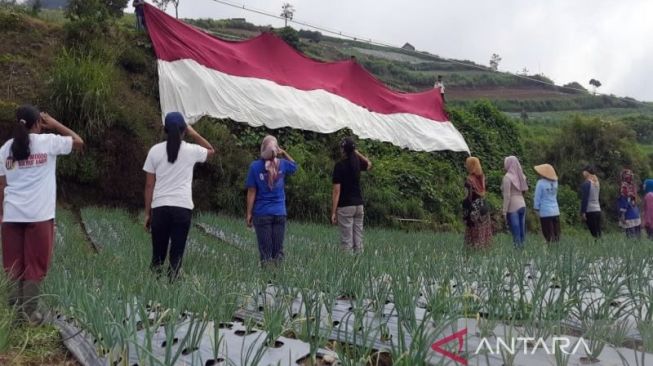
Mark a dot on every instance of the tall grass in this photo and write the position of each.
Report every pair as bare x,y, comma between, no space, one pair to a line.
80,92
6,315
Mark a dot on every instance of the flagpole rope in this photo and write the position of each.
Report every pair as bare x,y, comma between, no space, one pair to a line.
387,45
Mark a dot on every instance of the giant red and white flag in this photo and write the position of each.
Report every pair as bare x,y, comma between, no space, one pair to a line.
265,82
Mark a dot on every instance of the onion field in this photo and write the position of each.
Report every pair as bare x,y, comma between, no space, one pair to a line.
412,298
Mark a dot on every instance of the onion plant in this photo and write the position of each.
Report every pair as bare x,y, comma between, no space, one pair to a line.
405,291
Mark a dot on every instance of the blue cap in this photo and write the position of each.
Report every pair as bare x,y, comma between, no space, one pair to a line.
175,120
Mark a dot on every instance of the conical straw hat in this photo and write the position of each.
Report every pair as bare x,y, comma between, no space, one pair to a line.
546,171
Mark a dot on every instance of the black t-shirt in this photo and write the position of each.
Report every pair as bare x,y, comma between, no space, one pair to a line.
350,189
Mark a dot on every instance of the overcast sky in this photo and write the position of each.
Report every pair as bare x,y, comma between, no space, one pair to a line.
567,40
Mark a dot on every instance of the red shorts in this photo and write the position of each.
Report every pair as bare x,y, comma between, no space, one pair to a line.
27,249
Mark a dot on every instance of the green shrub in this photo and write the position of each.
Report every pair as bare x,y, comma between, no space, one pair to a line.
12,19
80,168
313,36
98,10
290,36
569,203
219,184
134,60
574,88
82,33
642,125
608,145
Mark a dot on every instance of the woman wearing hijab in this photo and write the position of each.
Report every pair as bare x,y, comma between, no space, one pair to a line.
266,198
546,202
347,200
513,187
648,207
590,208
629,218
478,232
28,190
168,191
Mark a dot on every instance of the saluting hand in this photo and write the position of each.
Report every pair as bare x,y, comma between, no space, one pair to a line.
48,122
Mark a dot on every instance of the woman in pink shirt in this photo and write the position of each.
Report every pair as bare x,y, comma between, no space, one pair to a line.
513,187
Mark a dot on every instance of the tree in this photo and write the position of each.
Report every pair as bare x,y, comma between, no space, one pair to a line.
287,12
163,5
290,36
54,4
596,84
524,71
494,61
95,9
313,36
35,5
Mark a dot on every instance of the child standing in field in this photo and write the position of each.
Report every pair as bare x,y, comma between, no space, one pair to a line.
347,200
513,187
546,202
629,219
648,207
168,191
28,190
590,208
478,223
266,198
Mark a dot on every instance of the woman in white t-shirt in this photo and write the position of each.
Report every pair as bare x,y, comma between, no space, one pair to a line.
168,191
28,189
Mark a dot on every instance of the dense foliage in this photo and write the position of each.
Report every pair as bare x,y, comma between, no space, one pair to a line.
290,36
403,184
95,9
609,146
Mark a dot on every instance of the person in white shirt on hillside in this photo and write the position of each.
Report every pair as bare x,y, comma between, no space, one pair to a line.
440,84
28,190
168,191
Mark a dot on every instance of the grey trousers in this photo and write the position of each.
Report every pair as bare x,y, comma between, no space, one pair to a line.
350,222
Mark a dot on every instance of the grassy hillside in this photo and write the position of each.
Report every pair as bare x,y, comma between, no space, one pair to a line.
413,71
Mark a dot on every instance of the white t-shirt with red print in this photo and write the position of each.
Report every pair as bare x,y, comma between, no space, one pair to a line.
31,192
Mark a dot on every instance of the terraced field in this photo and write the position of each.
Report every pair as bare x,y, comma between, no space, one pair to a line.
321,306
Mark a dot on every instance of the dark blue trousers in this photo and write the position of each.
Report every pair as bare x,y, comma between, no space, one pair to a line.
270,232
170,226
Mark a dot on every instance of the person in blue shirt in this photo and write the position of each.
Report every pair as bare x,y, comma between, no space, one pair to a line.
266,198
546,202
